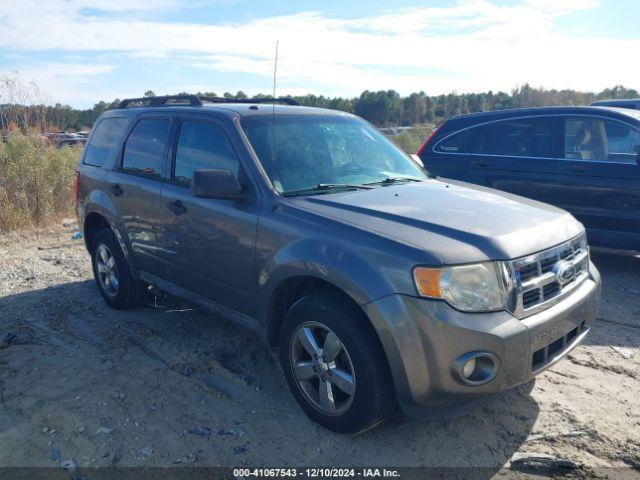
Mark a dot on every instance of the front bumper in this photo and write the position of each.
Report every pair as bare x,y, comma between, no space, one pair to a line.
422,338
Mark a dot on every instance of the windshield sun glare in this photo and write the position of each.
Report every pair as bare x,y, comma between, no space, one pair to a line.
300,153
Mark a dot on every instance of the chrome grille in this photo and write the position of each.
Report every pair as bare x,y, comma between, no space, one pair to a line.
542,279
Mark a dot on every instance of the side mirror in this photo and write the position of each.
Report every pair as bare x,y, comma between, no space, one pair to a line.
221,184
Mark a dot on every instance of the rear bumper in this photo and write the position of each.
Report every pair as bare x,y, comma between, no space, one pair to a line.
422,338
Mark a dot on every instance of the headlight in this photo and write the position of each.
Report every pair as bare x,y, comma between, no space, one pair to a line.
479,287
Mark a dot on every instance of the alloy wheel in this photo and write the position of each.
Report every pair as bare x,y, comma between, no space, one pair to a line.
322,368
107,270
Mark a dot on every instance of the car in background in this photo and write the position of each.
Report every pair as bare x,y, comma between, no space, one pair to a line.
633,103
65,139
583,159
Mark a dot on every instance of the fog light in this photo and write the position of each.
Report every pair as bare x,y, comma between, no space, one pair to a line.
475,368
469,368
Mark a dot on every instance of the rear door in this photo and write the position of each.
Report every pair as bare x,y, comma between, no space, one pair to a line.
134,187
518,155
599,178
210,243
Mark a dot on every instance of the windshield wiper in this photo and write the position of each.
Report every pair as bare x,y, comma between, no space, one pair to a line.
323,187
391,180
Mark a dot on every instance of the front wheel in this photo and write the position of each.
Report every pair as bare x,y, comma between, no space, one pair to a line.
334,364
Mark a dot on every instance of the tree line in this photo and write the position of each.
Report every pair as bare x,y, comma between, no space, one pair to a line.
382,108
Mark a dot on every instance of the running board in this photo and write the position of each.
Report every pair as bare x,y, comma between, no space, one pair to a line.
210,305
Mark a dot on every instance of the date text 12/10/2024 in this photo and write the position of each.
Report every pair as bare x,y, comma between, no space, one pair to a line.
315,473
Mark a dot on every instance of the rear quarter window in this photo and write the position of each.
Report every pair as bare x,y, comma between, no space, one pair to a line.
464,141
104,141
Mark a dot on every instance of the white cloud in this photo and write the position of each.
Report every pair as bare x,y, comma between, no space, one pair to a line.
51,70
472,45
123,5
62,82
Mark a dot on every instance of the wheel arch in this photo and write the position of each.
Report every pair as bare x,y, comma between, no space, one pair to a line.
310,265
93,223
97,219
292,290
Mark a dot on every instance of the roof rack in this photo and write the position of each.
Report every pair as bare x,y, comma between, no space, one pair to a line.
191,100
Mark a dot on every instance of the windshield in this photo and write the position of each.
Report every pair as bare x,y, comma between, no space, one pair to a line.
304,152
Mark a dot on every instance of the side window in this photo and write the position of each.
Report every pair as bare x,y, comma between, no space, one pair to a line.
589,138
203,145
103,141
466,141
144,150
527,137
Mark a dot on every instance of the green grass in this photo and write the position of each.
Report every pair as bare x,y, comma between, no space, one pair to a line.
410,140
36,181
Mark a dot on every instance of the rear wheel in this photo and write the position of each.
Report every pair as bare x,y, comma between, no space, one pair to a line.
335,365
113,276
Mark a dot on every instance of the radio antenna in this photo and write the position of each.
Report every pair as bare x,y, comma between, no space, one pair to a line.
275,72
273,115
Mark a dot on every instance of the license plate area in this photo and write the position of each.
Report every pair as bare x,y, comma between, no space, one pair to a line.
556,349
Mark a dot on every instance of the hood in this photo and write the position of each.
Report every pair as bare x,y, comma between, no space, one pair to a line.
453,221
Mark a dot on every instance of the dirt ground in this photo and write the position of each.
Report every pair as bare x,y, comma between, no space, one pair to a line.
157,387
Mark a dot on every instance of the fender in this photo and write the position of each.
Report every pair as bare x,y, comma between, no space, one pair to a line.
329,261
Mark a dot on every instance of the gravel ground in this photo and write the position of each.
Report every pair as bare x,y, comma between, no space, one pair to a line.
156,387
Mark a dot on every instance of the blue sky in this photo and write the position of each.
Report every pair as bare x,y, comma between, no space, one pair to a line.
81,51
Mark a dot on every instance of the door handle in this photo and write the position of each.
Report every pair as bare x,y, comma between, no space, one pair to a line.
481,163
575,168
116,190
177,207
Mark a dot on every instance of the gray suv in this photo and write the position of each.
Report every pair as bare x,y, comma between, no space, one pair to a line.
377,283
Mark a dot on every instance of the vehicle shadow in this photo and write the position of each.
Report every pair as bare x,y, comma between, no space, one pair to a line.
172,368
484,439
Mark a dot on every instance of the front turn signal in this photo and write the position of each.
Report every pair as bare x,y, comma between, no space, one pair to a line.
427,281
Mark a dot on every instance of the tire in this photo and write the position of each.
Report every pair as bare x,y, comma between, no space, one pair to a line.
117,285
360,358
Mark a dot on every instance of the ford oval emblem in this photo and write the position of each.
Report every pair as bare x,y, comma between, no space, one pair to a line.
564,271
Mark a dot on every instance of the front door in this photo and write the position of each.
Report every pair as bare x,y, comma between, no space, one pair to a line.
599,179
210,243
